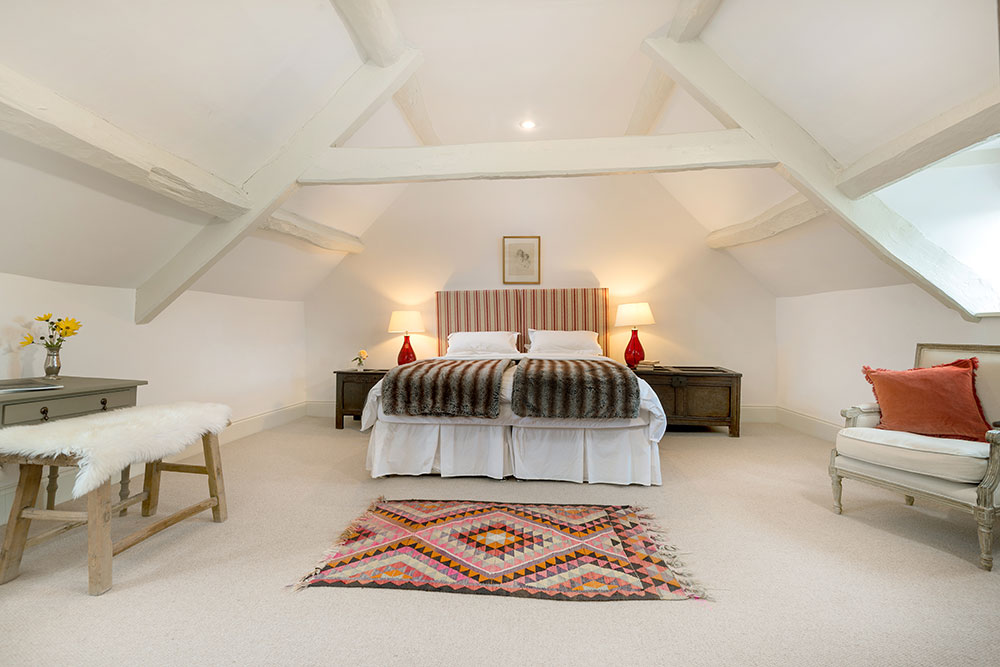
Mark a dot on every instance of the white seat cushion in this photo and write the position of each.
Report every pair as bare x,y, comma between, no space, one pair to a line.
944,458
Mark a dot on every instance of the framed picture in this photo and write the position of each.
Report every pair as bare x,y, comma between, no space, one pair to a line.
522,264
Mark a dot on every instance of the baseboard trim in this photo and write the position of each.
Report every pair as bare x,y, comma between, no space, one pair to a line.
817,428
758,414
321,409
240,428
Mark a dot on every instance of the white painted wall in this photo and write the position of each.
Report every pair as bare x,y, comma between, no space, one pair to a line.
622,232
823,341
248,353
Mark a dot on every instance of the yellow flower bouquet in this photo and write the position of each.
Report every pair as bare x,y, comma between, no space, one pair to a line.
360,359
59,330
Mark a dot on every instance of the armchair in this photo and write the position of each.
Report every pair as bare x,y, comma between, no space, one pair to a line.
958,473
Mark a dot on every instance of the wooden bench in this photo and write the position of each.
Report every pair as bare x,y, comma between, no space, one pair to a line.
97,518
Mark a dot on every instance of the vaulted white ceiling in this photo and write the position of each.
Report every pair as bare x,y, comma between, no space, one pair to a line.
573,66
221,83
857,73
227,84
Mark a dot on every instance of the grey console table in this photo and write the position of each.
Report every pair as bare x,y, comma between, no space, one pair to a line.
79,396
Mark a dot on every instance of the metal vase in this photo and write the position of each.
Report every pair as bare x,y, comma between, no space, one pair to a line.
52,364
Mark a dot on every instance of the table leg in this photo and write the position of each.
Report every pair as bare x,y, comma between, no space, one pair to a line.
50,490
123,492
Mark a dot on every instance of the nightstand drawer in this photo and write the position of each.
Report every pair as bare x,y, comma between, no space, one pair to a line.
36,411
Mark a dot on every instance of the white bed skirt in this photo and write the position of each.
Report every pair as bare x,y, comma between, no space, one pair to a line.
612,456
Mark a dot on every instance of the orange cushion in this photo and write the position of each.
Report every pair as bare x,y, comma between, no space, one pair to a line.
940,401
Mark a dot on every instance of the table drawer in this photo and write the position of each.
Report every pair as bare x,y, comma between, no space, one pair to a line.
69,406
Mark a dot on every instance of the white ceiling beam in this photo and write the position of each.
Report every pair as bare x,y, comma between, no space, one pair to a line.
410,101
319,235
691,18
977,158
653,97
959,128
377,34
807,165
34,113
539,159
374,27
349,108
781,217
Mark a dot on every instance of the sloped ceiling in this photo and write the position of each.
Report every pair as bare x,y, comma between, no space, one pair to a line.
956,204
69,222
227,89
573,66
274,266
855,74
221,83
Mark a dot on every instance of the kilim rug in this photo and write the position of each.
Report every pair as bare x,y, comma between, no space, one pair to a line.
554,552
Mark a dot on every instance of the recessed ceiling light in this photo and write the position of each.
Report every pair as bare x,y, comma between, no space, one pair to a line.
526,125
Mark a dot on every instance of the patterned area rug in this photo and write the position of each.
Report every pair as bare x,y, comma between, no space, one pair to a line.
555,552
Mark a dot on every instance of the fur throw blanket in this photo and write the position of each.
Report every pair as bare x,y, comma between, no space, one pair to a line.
575,389
106,442
445,388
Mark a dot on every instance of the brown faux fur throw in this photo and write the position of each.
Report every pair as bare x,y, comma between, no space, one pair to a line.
575,389
445,388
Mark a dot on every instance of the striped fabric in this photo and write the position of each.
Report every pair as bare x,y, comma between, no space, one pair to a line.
477,310
583,309
569,309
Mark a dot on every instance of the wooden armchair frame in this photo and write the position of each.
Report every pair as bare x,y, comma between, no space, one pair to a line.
984,508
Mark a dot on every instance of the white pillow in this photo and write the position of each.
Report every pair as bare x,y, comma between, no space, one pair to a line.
583,343
463,343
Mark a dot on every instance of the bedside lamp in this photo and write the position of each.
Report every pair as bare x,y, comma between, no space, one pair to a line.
634,315
406,322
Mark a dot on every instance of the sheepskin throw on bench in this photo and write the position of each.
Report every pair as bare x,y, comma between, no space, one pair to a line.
107,442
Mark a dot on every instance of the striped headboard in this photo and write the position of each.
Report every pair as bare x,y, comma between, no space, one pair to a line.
567,309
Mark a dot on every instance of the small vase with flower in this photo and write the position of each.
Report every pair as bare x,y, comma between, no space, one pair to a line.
58,331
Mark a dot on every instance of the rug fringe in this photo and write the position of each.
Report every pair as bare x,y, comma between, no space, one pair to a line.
349,532
671,555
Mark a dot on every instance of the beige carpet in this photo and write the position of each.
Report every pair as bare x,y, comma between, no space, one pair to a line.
793,583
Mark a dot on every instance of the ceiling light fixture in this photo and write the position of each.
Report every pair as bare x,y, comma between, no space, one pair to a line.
526,125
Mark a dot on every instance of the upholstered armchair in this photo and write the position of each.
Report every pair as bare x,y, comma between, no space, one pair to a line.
958,473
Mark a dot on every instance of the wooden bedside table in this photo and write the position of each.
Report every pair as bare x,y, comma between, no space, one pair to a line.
697,395
352,390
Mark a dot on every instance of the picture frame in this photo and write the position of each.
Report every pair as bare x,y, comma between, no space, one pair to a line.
522,260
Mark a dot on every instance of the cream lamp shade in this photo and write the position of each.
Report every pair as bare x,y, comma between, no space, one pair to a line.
406,321
634,315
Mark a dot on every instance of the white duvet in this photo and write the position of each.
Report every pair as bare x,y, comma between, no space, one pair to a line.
651,413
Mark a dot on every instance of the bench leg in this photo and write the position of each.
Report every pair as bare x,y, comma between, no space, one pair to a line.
28,483
123,491
151,485
216,487
99,538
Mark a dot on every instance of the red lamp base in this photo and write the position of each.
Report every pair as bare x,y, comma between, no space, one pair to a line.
634,352
406,353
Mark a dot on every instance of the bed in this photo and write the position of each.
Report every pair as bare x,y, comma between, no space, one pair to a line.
614,451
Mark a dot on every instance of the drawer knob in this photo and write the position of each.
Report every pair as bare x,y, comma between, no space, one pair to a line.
45,413
104,404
